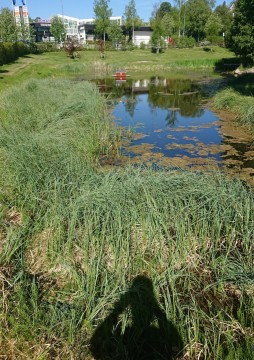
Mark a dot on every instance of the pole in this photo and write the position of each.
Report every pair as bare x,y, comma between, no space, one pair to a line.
62,7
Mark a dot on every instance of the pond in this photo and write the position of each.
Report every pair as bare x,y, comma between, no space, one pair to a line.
168,122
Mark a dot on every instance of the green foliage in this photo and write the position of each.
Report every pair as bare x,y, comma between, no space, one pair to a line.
157,38
102,16
168,24
183,42
132,19
39,48
8,29
164,9
213,25
58,29
114,32
242,106
242,31
226,16
197,14
73,237
12,51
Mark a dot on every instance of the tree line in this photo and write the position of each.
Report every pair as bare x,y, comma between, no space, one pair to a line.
192,20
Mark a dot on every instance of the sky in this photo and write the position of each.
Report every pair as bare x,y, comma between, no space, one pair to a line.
83,8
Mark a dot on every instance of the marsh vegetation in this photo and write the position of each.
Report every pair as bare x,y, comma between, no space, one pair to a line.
82,247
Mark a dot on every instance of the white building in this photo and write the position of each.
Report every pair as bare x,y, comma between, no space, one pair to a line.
74,26
142,35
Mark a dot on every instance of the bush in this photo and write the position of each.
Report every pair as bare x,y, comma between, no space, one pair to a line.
142,46
39,48
216,40
12,51
183,42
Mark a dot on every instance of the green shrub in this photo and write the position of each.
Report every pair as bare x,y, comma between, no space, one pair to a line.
12,51
216,40
39,48
183,42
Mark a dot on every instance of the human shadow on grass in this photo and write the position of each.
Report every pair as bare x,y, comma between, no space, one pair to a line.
149,336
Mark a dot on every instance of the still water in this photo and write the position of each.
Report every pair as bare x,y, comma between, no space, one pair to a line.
169,123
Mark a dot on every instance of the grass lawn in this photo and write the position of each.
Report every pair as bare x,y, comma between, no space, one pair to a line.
141,62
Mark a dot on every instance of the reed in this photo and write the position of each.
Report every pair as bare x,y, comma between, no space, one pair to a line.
73,237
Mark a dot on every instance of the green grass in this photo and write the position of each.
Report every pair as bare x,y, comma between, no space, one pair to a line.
89,65
74,237
241,105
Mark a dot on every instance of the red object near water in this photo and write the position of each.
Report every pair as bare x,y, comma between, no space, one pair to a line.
120,75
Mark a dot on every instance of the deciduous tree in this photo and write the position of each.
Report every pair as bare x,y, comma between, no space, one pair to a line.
102,14
114,32
213,25
58,29
197,14
164,8
168,24
132,19
226,16
8,28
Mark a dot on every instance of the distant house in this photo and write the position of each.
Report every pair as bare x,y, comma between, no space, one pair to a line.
142,35
41,30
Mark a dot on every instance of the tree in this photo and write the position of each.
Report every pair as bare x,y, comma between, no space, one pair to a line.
226,16
213,25
8,28
197,14
58,29
168,24
164,8
114,32
102,16
132,19
242,31
157,38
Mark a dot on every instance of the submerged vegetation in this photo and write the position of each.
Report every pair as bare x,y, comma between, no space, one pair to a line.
77,241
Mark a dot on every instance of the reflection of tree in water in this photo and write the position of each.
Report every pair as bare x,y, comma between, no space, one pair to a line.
168,96
149,335
130,104
171,118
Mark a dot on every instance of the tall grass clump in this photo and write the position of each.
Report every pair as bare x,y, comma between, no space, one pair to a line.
94,68
241,105
56,115
86,255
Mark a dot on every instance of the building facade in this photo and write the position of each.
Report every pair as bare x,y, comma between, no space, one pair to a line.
41,31
84,30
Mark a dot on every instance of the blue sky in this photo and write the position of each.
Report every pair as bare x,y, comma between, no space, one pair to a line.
82,8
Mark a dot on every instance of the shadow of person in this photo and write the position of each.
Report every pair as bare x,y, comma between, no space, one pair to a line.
149,335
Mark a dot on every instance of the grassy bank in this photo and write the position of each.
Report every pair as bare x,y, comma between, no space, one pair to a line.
85,254
89,65
238,98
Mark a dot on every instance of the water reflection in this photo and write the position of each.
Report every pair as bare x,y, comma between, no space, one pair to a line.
173,127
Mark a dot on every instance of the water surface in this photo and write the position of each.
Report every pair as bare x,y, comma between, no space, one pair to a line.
168,122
